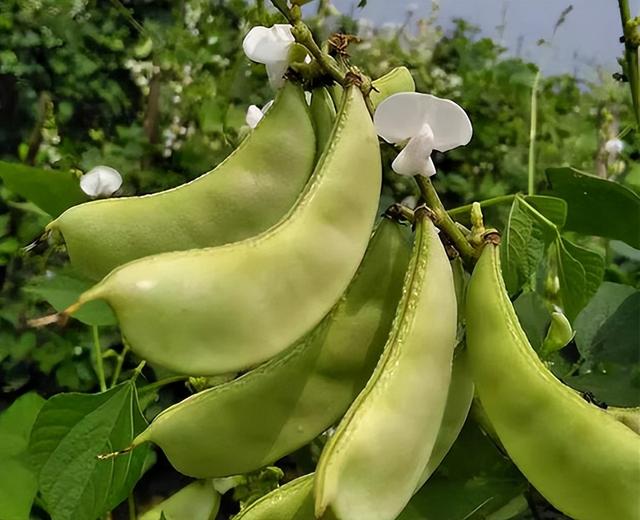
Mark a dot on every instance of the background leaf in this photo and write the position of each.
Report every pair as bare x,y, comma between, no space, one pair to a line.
597,206
52,191
69,432
580,272
62,288
18,483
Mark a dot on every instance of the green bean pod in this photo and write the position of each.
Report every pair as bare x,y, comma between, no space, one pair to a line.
293,501
246,194
323,115
396,80
223,309
286,402
585,462
196,501
372,465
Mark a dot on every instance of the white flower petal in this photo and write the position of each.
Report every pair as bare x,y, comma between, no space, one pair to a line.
415,159
613,146
401,116
101,181
267,45
253,117
275,72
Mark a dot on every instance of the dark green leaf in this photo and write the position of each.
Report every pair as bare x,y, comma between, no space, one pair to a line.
597,206
553,208
61,289
473,481
362,3
51,190
580,272
615,385
618,340
18,483
600,308
71,430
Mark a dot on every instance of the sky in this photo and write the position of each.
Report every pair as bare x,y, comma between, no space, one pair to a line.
587,40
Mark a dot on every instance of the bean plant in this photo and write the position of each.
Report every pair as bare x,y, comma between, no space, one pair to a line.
265,260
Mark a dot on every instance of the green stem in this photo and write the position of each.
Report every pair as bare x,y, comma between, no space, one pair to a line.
97,350
131,505
631,56
533,130
444,222
161,383
466,209
117,371
303,36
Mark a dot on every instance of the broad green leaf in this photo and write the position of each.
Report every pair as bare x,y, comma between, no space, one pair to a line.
196,501
616,385
473,481
597,206
525,240
618,339
18,483
62,288
553,208
580,271
70,431
600,308
52,191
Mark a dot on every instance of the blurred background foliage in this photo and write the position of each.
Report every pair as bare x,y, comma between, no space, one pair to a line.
159,90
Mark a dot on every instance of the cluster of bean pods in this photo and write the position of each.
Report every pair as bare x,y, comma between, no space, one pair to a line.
268,265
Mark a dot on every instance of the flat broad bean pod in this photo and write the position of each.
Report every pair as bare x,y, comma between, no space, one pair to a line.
196,501
246,194
372,465
223,309
286,402
581,458
323,115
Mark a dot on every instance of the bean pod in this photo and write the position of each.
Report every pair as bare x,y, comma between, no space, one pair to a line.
283,404
372,465
250,191
584,461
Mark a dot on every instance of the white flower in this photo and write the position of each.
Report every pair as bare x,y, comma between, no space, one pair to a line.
270,46
255,114
613,146
101,181
425,123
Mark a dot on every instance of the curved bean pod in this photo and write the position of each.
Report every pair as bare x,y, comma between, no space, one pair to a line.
196,501
323,114
396,80
246,194
218,310
585,462
283,404
372,465
293,501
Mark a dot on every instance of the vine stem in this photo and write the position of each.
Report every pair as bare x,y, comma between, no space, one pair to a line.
631,56
444,222
119,363
533,131
464,210
97,349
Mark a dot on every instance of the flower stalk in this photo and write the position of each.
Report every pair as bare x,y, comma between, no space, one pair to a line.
631,42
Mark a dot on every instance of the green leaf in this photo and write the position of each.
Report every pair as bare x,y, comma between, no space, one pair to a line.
613,384
63,288
525,240
553,208
70,431
597,206
18,483
580,271
52,191
600,308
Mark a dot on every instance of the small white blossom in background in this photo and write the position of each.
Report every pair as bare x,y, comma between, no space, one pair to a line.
422,123
613,146
101,181
271,47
